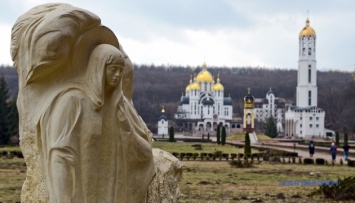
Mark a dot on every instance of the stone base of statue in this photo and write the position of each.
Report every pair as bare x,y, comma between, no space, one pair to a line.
165,185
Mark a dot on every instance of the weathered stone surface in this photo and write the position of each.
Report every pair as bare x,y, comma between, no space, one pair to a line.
165,185
80,134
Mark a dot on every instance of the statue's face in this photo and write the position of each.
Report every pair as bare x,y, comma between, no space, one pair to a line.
113,74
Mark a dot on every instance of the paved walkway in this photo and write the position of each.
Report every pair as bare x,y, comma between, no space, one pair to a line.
302,150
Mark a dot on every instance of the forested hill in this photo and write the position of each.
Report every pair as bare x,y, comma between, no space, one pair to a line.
157,86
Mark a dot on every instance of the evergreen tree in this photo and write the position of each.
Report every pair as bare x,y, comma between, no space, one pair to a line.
13,119
4,110
346,138
337,138
247,147
171,134
224,135
271,129
218,134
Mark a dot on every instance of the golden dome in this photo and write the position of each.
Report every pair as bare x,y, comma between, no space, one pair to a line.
204,76
188,87
163,110
307,31
195,86
218,86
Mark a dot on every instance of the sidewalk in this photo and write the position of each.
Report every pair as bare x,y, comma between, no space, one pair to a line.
302,150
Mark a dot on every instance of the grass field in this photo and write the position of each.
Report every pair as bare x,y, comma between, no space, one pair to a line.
188,147
213,181
241,137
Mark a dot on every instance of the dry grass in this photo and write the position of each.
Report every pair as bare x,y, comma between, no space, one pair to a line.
241,137
12,175
206,147
214,181
217,181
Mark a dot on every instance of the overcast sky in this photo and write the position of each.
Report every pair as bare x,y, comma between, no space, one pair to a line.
220,32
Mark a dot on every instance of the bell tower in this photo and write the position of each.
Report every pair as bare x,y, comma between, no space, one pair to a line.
248,120
307,91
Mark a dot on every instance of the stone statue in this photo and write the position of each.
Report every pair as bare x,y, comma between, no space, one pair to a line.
165,186
80,134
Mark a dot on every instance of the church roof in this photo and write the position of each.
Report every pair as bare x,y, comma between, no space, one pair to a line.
204,75
163,117
307,31
185,100
227,101
208,102
306,109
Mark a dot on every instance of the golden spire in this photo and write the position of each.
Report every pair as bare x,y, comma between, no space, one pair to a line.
163,110
218,80
249,90
204,65
190,79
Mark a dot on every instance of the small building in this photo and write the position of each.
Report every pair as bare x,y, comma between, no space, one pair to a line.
248,118
163,124
269,106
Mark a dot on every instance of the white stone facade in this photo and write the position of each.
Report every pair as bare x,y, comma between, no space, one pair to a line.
270,106
163,124
306,119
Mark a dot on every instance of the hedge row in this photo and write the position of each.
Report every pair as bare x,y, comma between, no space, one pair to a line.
11,154
220,155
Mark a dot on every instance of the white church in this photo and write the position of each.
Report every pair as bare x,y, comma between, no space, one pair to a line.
306,119
204,105
270,106
163,124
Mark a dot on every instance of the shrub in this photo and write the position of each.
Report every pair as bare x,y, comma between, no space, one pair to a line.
218,154
210,155
308,161
4,153
293,160
171,134
320,161
275,159
175,154
344,190
247,147
233,155
218,134
226,156
290,154
242,164
203,155
266,157
351,163
299,160
189,155
224,135
182,155
195,155
240,155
